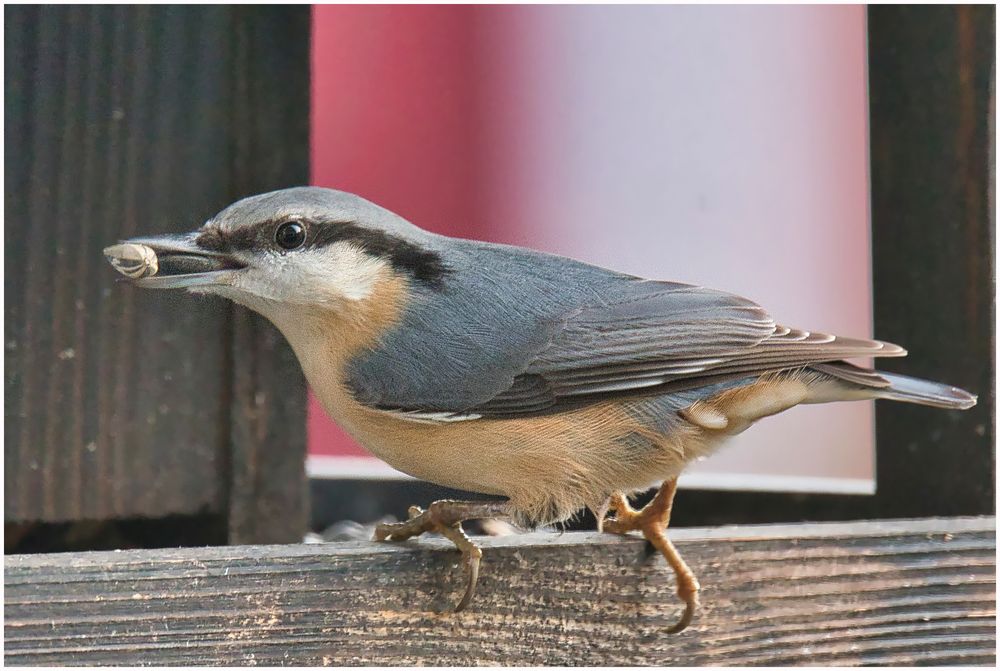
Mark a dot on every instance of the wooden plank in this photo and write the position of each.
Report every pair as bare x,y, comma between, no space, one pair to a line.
129,403
901,592
115,397
268,494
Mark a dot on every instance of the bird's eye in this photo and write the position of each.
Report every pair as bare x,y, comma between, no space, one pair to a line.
290,235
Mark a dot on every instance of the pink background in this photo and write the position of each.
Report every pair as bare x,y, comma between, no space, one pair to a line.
725,146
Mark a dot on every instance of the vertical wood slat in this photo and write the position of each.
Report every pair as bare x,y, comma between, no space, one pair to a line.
268,423
72,335
121,120
930,82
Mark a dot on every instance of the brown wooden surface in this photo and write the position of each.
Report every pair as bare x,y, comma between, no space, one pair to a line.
900,592
120,403
268,495
111,409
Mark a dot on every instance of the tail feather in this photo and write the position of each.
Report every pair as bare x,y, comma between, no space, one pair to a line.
879,384
925,392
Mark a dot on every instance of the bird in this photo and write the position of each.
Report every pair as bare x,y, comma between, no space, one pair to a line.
550,384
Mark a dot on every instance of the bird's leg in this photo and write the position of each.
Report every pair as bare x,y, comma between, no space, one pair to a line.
446,517
653,521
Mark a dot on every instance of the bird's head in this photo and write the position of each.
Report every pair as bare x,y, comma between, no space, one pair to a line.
286,253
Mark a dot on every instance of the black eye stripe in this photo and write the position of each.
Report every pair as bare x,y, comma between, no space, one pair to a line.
422,264
256,238
216,240
210,239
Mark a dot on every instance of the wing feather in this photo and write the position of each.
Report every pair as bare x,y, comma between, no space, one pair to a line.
517,332
648,343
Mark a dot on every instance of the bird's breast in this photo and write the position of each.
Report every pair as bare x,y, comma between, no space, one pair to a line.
548,465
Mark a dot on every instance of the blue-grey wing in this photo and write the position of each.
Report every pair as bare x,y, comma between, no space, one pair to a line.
516,332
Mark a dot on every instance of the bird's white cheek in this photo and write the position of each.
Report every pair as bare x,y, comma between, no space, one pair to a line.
327,276
346,271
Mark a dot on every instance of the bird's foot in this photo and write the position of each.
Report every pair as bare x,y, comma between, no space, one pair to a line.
653,521
445,518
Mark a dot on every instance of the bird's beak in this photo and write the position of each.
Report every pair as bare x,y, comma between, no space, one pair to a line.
170,262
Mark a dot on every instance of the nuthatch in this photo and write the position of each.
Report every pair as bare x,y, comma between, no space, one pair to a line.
555,384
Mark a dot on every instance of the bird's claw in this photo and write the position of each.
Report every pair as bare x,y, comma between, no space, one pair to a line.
652,521
472,558
436,518
690,606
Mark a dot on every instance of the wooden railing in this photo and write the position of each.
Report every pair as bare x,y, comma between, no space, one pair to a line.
892,592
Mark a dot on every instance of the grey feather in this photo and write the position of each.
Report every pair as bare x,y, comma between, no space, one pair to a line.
520,332
900,387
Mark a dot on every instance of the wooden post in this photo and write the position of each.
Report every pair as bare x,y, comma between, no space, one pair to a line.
123,403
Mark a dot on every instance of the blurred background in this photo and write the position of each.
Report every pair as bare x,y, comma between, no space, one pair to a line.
722,146
832,163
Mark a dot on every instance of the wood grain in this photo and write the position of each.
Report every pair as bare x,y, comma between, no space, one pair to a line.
268,494
125,403
901,592
114,398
